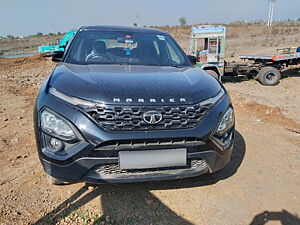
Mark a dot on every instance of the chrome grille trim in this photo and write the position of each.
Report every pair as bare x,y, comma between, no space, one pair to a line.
149,143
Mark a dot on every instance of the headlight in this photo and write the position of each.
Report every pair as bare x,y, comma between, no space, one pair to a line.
56,125
226,122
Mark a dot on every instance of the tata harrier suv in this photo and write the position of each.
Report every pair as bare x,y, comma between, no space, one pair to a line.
126,104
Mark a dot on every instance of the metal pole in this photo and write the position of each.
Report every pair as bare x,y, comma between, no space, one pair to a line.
271,13
137,20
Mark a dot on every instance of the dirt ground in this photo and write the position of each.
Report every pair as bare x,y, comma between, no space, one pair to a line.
259,186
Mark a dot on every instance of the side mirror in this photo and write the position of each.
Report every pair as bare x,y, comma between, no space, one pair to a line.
192,58
57,56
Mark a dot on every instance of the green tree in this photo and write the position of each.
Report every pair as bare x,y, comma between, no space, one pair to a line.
182,21
39,34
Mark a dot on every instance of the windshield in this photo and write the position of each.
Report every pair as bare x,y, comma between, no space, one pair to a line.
121,47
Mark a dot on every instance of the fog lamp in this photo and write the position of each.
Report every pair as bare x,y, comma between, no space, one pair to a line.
56,144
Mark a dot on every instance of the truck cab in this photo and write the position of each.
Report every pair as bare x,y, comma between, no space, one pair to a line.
207,43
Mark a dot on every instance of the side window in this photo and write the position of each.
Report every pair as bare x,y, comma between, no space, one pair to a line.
213,45
220,45
173,56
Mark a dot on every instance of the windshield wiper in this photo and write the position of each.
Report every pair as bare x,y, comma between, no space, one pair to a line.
97,63
177,66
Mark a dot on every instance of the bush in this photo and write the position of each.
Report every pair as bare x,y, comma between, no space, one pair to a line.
182,21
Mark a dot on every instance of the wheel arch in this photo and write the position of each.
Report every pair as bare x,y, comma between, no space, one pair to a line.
211,67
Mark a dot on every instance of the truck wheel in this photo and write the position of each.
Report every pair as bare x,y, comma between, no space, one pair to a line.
55,181
213,73
269,76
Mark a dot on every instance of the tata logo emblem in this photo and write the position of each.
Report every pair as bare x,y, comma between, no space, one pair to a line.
152,117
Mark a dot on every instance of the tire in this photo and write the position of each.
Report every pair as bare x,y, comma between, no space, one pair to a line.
269,76
213,73
55,181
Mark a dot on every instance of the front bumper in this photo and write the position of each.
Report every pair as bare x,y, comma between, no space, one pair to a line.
90,161
105,170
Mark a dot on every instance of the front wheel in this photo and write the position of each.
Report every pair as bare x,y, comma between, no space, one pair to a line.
213,73
269,76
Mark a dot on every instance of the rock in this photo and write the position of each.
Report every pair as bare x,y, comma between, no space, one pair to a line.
14,140
5,119
20,117
91,188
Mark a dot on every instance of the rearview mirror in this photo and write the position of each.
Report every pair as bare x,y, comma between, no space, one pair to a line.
192,58
57,56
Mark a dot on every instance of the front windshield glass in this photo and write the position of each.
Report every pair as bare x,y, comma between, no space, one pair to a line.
121,47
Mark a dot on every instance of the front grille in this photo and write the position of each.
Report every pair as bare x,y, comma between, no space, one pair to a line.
113,169
116,118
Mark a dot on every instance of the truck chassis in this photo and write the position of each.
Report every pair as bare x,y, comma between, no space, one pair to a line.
266,68
207,44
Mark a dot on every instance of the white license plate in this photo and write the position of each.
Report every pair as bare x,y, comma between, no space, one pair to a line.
152,158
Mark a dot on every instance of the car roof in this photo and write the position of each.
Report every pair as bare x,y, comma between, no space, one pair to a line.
123,28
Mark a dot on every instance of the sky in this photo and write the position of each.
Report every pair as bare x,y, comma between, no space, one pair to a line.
26,17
